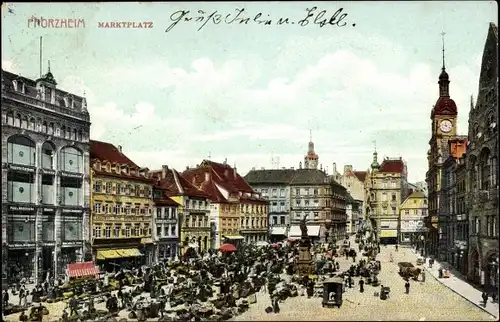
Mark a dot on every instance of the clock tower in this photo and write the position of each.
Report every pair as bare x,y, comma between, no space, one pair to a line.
444,127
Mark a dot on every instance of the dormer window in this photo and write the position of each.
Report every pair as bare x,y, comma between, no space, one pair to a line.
125,169
98,166
108,167
117,168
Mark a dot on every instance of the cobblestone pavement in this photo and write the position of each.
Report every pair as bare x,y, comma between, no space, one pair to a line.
427,301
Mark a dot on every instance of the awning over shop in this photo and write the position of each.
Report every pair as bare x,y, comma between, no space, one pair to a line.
82,269
107,254
388,233
294,231
313,230
146,240
278,231
132,252
235,237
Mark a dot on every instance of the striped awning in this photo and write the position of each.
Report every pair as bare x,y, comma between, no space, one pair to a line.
82,269
108,254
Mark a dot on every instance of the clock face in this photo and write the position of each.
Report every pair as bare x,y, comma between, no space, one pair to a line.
445,126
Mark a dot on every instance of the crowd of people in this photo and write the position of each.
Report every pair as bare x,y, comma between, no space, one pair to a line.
211,285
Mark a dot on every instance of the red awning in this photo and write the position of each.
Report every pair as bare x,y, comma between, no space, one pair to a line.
82,269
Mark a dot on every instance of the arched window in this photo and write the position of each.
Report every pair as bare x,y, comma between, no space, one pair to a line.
21,150
24,122
74,135
71,160
44,127
31,125
80,136
484,163
48,153
10,118
17,120
63,131
57,130
39,124
51,128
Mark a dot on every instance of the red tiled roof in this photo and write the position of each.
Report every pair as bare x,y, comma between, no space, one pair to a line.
361,175
124,176
253,200
396,166
166,201
169,183
445,106
232,182
197,176
104,151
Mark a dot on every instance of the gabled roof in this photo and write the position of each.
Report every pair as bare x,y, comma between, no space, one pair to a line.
395,166
177,185
104,151
232,181
361,175
197,177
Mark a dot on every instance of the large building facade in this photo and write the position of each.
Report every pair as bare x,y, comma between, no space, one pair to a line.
45,177
387,187
453,217
122,208
193,211
165,225
354,182
274,185
482,169
411,220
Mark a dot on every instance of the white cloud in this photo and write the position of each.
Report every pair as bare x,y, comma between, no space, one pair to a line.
348,100
10,66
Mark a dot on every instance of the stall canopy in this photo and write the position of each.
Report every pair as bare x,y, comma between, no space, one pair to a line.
278,231
294,231
118,253
82,269
312,231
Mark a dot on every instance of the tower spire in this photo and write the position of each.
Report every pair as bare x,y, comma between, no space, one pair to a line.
48,69
442,37
310,135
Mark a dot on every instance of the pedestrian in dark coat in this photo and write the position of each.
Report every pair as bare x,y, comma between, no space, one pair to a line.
485,298
407,287
361,285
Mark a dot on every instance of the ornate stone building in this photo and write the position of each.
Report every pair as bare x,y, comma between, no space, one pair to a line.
482,169
387,187
453,218
45,172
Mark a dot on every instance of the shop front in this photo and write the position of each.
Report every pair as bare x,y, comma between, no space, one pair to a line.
277,233
122,253
167,249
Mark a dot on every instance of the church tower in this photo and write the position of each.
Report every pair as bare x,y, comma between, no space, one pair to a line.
311,158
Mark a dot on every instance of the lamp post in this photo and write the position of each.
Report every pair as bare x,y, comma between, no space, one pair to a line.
422,250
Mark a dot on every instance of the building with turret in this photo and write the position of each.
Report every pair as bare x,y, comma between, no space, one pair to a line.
45,172
311,158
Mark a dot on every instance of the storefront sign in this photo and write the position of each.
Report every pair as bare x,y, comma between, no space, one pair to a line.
146,240
71,174
389,225
72,243
21,208
412,226
21,245
20,168
48,209
73,211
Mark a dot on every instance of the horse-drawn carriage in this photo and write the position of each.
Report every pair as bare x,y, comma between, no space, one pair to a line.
408,270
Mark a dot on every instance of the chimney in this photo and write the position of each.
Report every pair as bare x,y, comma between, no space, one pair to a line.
208,176
253,168
187,167
225,161
300,165
235,173
164,170
120,148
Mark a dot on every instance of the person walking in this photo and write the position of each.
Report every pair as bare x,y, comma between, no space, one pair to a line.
407,287
361,285
396,247
485,298
423,276
5,297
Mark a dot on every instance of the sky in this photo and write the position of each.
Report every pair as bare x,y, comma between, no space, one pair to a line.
252,93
